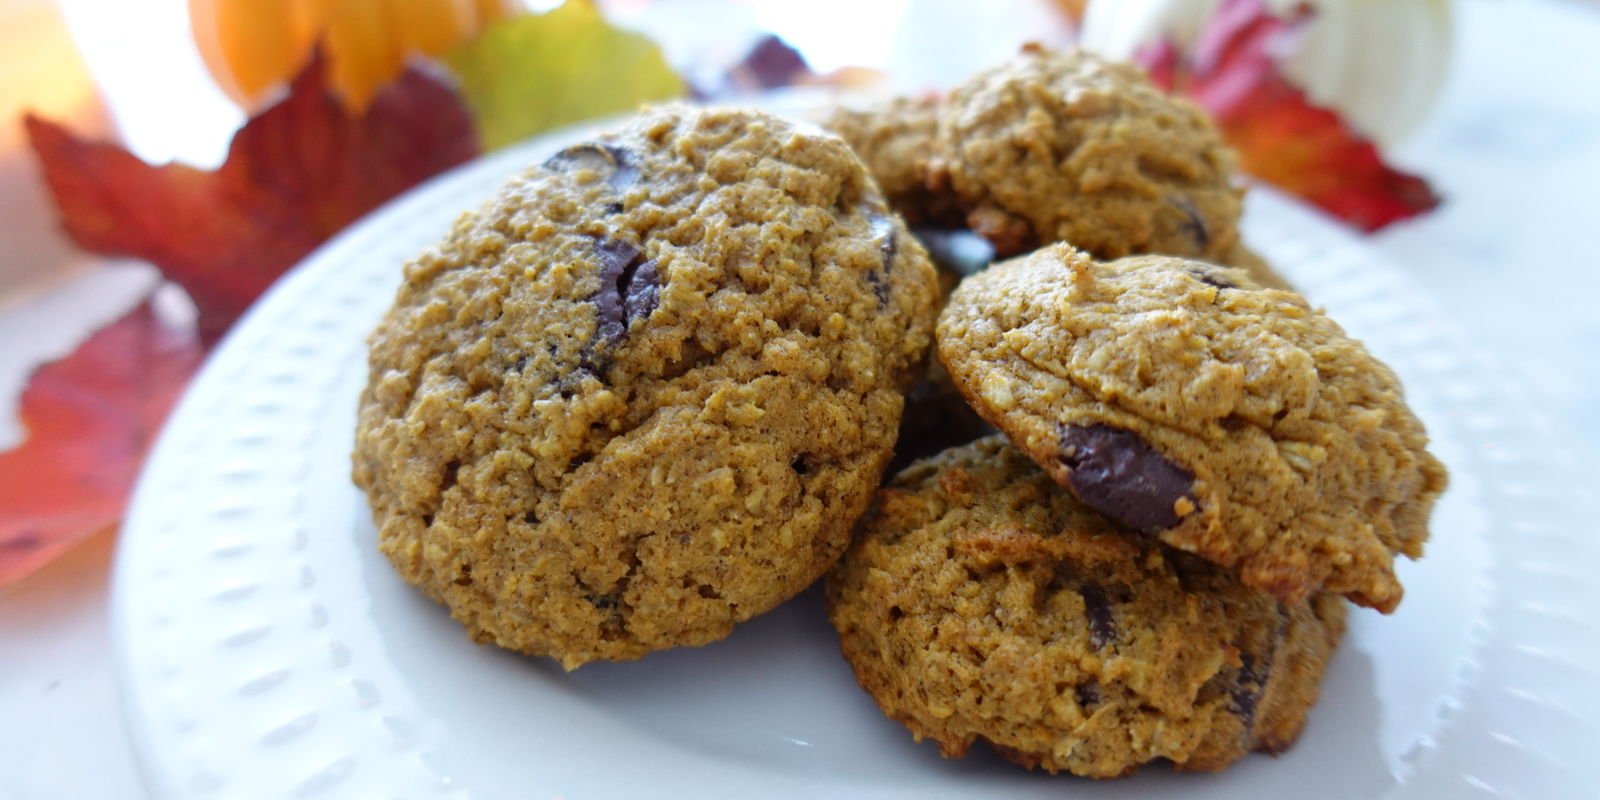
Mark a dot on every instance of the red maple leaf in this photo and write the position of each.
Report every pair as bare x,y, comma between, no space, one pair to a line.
90,418
295,175
1232,72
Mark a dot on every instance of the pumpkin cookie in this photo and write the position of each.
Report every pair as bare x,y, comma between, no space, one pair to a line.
897,139
1063,146
1180,399
981,600
646,391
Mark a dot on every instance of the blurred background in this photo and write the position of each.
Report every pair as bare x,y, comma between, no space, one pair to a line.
1492,102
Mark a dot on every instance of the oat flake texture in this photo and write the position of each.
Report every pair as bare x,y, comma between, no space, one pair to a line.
645,392
1233,422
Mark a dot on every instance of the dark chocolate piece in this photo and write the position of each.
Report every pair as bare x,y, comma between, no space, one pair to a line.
1088,694
1254,671
1120,475
1102,631
640,288
613,162
883,231
616,257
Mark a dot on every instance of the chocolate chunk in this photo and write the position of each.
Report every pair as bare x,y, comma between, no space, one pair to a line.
613,162
615,257
1088,694
1250,682
629,288
640,288
882,230
1247,688
1102,631
1196,226
1120,475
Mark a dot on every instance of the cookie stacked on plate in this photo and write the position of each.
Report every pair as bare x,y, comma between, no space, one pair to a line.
647,391
1147,562
652,388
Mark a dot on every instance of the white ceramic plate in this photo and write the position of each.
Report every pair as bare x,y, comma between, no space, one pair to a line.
268,651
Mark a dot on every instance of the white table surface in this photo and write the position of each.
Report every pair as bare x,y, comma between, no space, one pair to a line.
1514,146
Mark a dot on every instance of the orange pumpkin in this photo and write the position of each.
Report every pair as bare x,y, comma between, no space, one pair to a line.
252,47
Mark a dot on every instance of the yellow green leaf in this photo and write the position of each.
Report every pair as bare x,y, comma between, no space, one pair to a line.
534,72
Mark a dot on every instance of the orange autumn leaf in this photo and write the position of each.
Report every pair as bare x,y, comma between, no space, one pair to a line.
295,175
90,417
1282,138
252,46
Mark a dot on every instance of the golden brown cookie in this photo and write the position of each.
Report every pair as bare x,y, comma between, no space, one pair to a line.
897,139
1256,267
1234,422
646,391
981,600
1063,146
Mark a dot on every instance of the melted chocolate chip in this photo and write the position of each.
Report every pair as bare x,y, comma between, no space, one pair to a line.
1254,672
1102,631
1120,475
615,257
883,230
1196,226
640,287
1088,694
613,162
1246,691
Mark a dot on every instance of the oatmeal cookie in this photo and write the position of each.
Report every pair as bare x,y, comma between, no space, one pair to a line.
1256,267
1178,398
897,139
1063,146
646,391
981,600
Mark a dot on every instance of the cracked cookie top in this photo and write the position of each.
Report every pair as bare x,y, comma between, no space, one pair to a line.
1182,400
644,392
1066,147
981,600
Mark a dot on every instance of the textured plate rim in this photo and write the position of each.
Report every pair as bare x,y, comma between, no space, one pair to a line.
1512,736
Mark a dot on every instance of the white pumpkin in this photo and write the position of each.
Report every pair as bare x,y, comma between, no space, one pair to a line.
1379,63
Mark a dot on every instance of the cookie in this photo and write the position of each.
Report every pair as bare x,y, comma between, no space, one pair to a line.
897,139
1255,267
1063,146
645,392
1176,397
981,600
